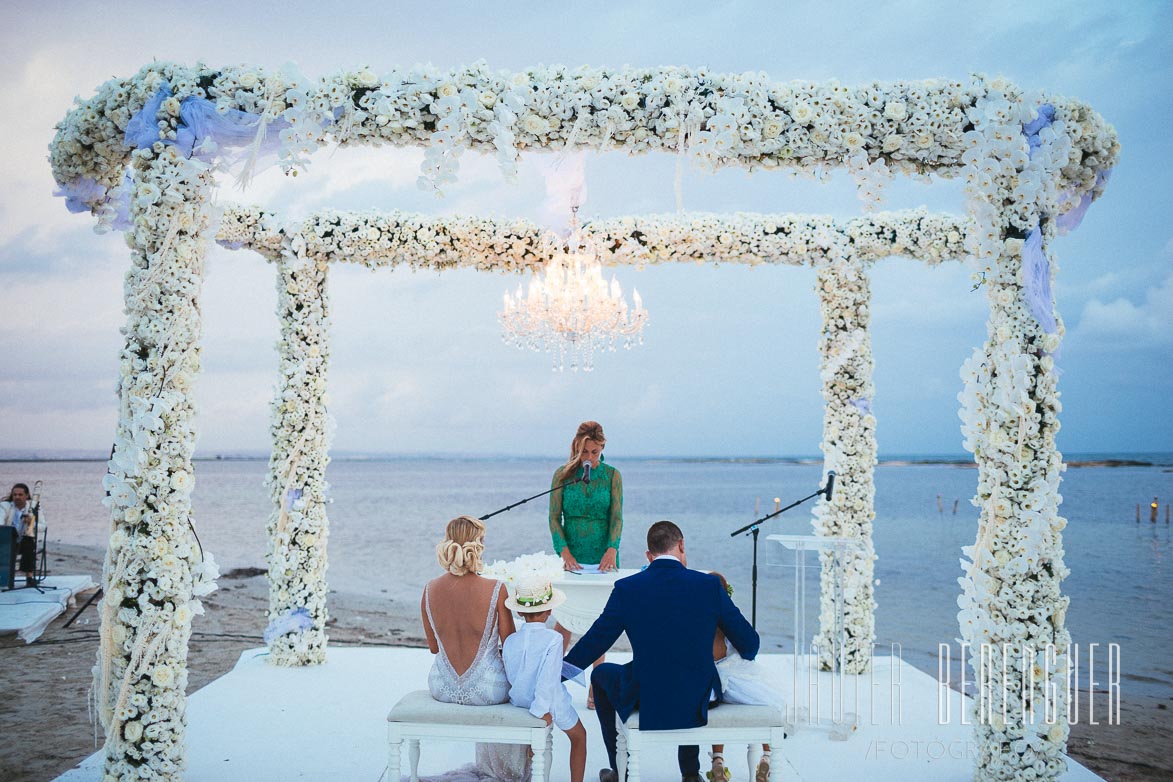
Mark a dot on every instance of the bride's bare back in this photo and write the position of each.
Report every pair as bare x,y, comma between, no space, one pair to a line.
459,607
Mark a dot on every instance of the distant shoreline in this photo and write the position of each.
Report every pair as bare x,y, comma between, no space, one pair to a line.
1077,460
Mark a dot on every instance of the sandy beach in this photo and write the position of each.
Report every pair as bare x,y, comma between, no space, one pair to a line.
45,726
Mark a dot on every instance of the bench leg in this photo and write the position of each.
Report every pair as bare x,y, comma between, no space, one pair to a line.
413,756
537,744
631,757
621,753
776,738
752,756
549,751
393,763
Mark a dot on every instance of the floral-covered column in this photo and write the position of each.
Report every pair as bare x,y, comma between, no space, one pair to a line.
849,448
300,427
154,570
1012,608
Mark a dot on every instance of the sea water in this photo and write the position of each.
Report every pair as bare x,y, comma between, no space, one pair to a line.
386,516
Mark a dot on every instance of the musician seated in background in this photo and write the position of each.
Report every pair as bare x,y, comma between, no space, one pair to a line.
18,513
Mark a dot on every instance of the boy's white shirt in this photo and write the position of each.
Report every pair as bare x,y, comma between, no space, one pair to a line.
533,664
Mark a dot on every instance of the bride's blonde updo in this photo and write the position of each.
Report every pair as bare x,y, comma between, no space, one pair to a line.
464,542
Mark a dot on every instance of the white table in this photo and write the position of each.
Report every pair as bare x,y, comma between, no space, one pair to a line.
586,595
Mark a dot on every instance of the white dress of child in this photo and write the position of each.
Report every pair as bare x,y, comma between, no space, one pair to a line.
747,682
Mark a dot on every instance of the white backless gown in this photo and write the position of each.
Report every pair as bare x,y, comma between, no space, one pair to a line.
483,684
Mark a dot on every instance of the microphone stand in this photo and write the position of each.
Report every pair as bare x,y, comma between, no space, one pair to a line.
753,528
527,499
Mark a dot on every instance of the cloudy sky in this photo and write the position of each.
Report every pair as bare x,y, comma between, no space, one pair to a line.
730,361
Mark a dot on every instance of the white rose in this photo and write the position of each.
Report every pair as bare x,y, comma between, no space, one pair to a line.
488,99
895,110
182,480
366,78
629,101
893,142
802,112
446,90
171,106
532,123
248,80
162,675
133,731
853,141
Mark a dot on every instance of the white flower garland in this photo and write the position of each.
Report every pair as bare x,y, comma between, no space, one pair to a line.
849,448
301,432
155,570
714,119
390,239
1027,161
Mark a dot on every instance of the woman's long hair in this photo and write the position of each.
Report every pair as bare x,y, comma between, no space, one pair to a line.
464,542
587,430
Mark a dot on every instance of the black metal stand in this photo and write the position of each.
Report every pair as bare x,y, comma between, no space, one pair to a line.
84,606
753,528
40,571
527,499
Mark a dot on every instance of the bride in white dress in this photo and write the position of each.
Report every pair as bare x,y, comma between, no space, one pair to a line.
465,620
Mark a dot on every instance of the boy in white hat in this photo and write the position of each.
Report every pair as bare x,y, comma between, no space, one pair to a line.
533,664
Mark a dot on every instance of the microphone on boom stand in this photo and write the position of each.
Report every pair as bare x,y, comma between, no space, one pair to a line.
753,527
586,478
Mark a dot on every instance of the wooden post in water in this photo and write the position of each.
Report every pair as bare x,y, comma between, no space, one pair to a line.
1153,510
1138,513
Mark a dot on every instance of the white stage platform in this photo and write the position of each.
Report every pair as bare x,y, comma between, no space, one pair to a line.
328,722
27,612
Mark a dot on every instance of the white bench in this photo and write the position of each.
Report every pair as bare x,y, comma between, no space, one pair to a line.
729,723
418,715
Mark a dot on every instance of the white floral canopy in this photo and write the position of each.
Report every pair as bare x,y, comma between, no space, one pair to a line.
142,154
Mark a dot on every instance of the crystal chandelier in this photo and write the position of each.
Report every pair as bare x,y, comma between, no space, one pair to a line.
572,311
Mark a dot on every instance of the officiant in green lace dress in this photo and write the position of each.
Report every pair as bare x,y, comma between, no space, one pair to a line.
586,519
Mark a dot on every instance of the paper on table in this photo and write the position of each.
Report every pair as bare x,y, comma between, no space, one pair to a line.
588,570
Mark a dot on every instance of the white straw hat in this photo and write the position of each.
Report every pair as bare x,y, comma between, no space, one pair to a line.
535,597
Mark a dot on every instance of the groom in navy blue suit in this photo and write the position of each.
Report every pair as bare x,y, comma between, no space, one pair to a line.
671,615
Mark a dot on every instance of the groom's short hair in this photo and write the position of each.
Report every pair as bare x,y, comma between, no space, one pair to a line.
663,537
